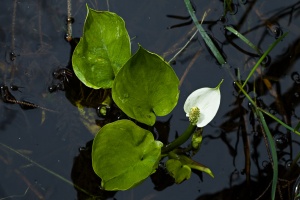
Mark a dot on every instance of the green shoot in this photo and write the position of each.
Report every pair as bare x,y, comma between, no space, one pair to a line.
243,38
259,112
273,152
297,128
204,35
263,57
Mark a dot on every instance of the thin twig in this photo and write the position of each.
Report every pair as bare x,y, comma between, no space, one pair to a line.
183,48
69,21
47,170
28,183
40,23
13,24
189,67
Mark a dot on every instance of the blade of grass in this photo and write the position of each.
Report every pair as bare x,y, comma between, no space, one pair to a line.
294,130
260,113
267,113
243,38
263,57
297,127
204,35
273,152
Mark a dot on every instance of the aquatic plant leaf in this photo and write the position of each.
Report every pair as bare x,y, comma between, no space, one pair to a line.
207,100
178,171
146,87
273,153
103,49
123,155
197,140
194,165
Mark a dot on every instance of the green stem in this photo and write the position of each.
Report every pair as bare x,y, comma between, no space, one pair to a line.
180,140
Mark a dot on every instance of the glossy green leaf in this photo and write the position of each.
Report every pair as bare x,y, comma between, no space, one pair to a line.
124,154
178,171
103,49
146,87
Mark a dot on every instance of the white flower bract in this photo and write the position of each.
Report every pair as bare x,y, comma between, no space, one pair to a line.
207,100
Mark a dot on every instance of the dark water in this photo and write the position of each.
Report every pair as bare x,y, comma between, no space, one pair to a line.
33,47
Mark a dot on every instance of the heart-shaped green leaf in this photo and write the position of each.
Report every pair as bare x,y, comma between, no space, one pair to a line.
103,49
123,155
146,87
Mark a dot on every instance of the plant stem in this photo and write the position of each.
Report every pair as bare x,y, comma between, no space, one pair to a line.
180,140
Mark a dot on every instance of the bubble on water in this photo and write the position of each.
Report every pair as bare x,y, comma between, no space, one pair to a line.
250,105
10,56
70,20
288,164
281,140
52,88
274,29
223,19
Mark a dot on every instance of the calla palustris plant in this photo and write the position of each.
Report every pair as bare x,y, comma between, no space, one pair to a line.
143,86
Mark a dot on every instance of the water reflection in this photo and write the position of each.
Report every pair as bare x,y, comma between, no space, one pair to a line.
33,47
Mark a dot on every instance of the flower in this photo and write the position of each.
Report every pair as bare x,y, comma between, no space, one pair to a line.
207,100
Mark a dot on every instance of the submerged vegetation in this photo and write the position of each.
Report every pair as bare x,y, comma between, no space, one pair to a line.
131,91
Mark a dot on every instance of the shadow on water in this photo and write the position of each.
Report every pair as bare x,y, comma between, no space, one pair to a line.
39,117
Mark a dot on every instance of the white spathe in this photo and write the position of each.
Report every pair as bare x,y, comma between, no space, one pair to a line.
207,100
